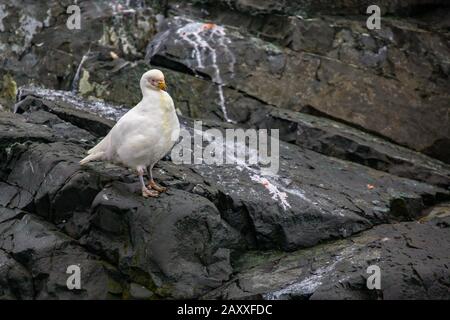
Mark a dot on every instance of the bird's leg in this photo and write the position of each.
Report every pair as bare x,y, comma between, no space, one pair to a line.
152,184
146,192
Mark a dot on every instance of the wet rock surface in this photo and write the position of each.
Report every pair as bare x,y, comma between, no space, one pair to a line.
308,7
342,141
392,81
38,47
227,209
412,262
380,88
363,175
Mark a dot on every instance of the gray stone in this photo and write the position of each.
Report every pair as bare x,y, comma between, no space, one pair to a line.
227,209
378,88
348,102
139,292
412,266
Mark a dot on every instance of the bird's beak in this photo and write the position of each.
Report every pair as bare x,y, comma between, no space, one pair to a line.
162,85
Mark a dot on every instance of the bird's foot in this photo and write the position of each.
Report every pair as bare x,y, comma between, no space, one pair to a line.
146,193
153,185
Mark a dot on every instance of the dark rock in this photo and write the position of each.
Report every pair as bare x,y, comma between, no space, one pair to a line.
310,7
139,292
45,254
227,209
412,259
336,81
17,129
152,238
403,67
342,208
318,134
63,130
37,47
65,108
344,196
115,81
15,281
439,211
342,141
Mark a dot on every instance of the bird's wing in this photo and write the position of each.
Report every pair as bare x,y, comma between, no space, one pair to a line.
129,126
105,143
102,145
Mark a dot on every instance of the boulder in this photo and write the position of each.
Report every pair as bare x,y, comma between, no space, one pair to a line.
38,47
384,81
350,187
197,98
410,256
42,255
309,7
228,209
15,280
340,80
342,141
327,189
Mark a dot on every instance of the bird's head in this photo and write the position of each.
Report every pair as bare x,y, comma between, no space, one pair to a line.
153,80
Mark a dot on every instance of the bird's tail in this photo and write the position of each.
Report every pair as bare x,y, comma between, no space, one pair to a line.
92,157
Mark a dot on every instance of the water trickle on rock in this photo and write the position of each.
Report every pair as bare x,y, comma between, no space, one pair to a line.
206,39
76,78
271,182
308,285
97,107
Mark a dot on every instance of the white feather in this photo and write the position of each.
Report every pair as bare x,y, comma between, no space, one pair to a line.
143,135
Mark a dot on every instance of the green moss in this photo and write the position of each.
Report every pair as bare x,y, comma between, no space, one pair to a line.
266,46
8,91
251,259
84,86
114,287
164,291
140,277
259,259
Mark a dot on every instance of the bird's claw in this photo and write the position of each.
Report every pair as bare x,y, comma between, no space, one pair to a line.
146,193
154,186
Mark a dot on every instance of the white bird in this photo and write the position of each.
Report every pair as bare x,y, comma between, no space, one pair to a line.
144,134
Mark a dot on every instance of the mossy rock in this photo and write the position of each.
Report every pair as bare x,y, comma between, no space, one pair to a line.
8,91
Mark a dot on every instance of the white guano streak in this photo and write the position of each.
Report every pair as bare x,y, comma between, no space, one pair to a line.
196,34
